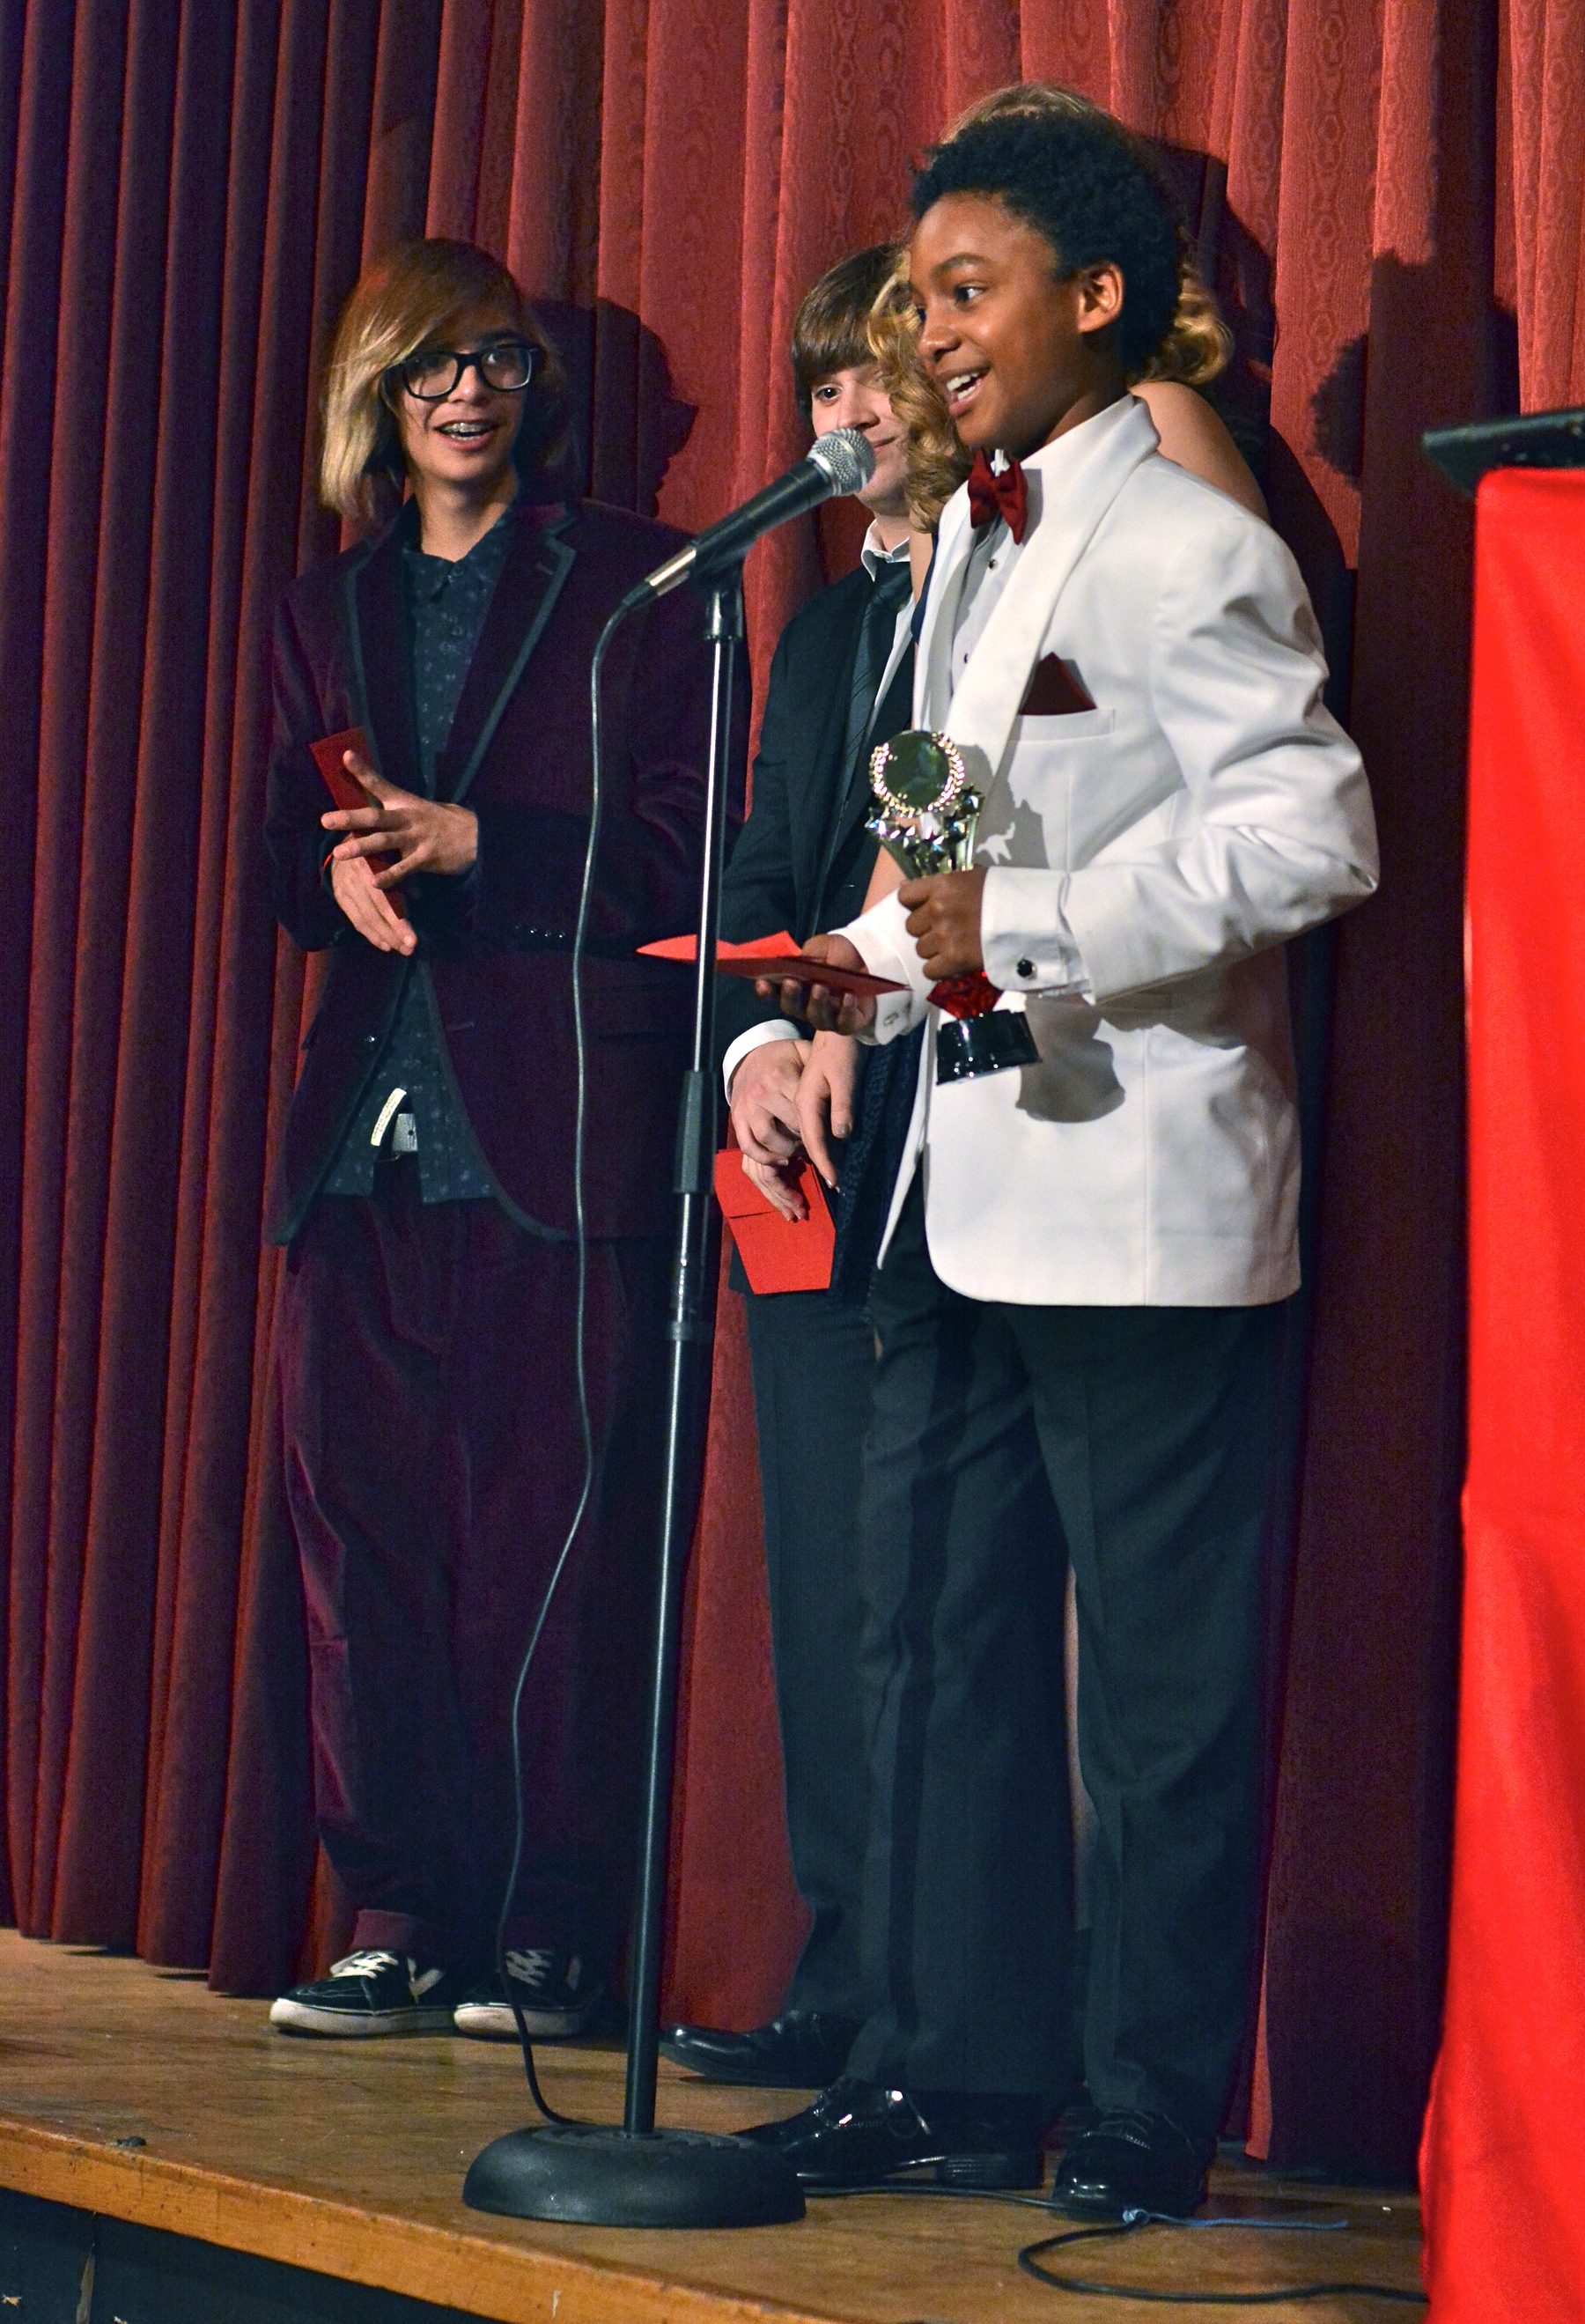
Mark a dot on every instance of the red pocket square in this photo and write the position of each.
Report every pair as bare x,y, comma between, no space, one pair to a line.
1054,692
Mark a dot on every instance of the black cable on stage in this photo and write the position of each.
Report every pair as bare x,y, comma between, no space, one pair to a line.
1129,2225
580,1375
1030,2257
1045,2203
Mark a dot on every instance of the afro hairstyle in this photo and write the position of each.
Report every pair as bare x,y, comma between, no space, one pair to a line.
1084,185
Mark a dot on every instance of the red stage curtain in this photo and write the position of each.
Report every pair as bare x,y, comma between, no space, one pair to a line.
1506,2235
187,189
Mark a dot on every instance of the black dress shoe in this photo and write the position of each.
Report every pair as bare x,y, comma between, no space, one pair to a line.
1132,2161
855,2135
803,2050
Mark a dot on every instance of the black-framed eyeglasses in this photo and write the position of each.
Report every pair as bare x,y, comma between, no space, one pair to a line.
507,365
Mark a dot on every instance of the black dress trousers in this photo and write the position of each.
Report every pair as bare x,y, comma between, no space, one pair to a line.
807,1348
1151,1428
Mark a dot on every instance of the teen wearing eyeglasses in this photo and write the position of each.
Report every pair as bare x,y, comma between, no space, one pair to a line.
425,1189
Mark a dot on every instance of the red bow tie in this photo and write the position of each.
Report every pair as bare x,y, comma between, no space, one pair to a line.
990,496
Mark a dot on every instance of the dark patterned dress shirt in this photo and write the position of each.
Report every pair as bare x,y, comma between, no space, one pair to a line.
447,602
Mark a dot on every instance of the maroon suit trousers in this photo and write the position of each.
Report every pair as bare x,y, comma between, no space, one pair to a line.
434,1462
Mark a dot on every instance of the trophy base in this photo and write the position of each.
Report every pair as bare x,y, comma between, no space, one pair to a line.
968,1046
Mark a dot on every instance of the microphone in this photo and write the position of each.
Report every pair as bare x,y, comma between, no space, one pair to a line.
840,462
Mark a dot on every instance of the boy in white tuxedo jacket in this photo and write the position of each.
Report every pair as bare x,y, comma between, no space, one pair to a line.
1085,1257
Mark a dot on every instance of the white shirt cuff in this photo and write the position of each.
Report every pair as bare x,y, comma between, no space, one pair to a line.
774,1029
1024,934
880,938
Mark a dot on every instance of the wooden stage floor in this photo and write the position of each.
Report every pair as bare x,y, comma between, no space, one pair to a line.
347,2159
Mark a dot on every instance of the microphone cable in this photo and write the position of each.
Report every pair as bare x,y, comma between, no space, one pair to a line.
845,459
580,1376
1030,2257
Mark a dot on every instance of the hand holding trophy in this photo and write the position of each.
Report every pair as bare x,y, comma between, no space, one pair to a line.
927,814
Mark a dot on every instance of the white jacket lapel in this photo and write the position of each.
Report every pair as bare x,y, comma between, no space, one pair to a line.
954,542
980,712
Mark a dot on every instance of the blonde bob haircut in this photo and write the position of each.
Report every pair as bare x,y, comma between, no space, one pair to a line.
422,294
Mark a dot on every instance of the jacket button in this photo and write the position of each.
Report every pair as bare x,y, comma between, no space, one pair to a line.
1025,969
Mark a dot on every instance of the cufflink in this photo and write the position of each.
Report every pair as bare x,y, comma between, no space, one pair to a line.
1025,970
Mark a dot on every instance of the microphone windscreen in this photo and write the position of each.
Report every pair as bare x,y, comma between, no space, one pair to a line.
847,457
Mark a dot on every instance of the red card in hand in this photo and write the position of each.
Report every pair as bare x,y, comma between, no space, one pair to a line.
778,957
757,948
346,791
777,1254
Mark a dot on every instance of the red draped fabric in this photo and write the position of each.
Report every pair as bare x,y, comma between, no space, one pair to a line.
1499,2138
1386,192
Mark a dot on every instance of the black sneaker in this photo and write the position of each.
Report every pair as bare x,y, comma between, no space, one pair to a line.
558,1993
368,1994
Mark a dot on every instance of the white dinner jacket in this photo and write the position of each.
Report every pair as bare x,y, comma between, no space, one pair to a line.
1147,859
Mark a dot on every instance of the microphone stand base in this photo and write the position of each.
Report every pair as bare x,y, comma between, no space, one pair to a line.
597,2176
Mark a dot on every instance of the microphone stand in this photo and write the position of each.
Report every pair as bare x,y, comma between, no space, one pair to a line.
637,2176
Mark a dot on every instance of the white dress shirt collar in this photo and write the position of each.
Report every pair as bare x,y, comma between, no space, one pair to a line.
995,552
874,555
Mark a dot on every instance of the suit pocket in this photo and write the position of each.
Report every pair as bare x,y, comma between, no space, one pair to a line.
1069,726
1054,692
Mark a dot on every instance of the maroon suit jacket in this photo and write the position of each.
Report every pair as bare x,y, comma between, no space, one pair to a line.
497,943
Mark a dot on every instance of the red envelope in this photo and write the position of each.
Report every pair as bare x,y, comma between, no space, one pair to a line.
757,948
346,791
775,957
777,1254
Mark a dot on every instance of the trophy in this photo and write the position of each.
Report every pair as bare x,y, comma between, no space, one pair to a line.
927,814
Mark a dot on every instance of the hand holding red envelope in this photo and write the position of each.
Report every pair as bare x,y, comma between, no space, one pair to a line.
347,792
779,1254
778,959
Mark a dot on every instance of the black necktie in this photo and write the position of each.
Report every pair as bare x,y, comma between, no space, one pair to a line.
875,635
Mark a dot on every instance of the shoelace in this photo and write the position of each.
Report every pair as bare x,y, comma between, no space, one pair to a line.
534,1966
363,1964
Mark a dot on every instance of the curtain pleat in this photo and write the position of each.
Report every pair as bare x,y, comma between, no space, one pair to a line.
42,60
216,1280
72,1009
1387,196
128,1005
1542,195
1367,1763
